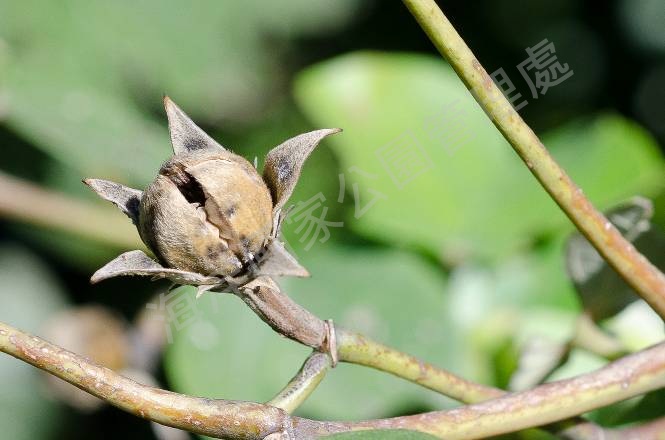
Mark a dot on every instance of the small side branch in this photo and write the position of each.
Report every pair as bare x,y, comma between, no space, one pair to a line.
303,383
289,319
358,349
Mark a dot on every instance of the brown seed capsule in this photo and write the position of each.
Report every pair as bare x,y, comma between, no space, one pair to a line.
206,212
208,216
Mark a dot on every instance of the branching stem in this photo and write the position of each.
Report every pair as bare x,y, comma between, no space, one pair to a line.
630,376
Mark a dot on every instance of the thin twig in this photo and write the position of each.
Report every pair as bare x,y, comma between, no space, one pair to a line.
25,201
303,383
643,276
290,319
630,376
361,350
589,337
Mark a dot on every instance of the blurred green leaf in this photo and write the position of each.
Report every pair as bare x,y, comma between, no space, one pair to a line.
538,358
500,308
452,184
602,291
392,296
87,100
29,294
645,22
398,434
637,326
649,407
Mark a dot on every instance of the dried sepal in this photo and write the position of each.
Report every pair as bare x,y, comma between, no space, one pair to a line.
284,163
277,261
125,198
186,136
138,263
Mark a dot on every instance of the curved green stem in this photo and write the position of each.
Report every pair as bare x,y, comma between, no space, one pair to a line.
289,319
303,383
643,276
361,350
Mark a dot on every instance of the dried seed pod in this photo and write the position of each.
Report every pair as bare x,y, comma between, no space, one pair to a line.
206,212
209,217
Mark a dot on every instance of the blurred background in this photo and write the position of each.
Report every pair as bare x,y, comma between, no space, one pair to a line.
426,231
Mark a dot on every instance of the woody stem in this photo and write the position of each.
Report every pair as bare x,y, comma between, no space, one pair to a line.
630,376
643,276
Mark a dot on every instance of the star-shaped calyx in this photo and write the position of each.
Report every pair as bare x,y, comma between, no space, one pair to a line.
209,217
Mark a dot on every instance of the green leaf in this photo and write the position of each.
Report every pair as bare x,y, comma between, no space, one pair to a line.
395,297
381,434
452,184
85,96
501,308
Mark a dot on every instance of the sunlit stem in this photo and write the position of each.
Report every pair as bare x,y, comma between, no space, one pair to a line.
643,276
303,383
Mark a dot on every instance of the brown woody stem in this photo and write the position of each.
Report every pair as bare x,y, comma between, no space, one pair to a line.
215,418
643,276
630,376
289,319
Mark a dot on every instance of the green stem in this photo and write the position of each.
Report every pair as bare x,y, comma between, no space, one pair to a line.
290,319
303,383
643,276
361,350
358,349
630,376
